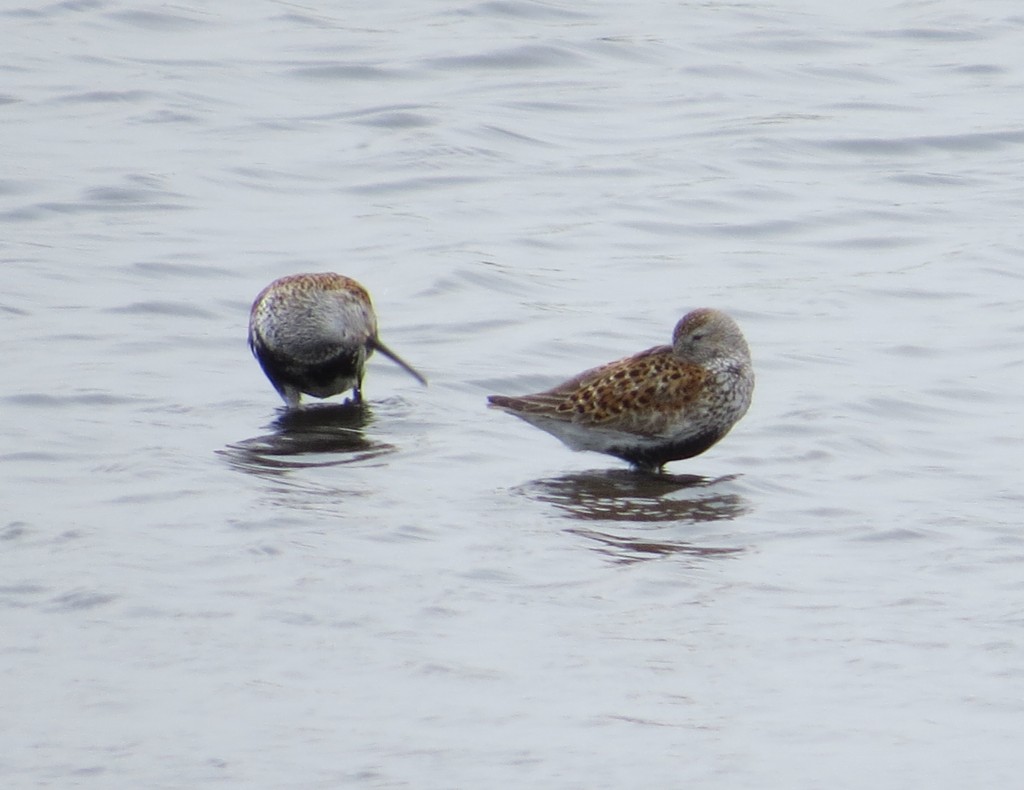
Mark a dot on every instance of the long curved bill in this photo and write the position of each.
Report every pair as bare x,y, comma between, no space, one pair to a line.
376,345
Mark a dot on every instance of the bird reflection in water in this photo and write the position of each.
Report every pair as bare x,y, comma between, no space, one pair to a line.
662,500
321,435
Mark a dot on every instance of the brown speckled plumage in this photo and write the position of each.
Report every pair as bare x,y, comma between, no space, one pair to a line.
663,404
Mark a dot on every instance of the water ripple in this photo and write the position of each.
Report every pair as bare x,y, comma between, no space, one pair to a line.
897,146
158,20
344,72
527,56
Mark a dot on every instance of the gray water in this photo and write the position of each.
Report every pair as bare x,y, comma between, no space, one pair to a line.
199,591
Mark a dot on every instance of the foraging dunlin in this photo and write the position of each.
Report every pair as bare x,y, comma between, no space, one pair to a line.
661,405
312,334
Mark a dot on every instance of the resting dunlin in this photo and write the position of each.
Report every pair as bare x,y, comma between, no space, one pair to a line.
661,405
312,334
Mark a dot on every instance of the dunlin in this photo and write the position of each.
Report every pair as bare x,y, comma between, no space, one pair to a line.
312,334
661,405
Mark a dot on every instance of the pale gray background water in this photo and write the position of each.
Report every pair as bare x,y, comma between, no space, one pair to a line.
443,596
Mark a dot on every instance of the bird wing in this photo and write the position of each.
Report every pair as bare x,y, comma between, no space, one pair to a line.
642,394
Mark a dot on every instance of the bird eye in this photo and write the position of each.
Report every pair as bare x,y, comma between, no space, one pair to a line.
697,336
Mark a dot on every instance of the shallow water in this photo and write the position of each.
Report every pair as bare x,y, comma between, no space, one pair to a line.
200,589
